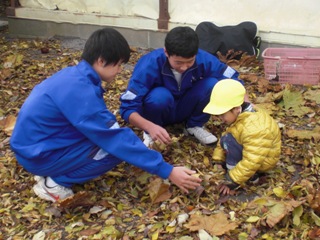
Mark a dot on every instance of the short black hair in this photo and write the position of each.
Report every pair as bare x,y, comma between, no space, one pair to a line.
182,41
108,44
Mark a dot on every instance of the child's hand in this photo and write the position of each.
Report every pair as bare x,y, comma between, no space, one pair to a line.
227,189
224,189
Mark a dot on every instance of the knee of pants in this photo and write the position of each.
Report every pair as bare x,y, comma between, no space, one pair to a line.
159,99
207,84
204,87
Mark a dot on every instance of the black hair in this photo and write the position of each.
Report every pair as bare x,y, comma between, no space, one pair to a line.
108,44
182,41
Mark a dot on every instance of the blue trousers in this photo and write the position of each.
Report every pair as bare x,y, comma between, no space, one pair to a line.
232,149
70,170
162,108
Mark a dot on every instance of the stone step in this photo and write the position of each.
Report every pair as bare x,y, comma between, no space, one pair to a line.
3,24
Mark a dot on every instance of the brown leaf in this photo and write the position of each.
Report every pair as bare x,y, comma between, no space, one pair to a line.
81,198
314,233
158,191
216,225
7,124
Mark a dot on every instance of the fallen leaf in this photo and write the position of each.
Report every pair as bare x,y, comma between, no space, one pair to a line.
217,224
158,191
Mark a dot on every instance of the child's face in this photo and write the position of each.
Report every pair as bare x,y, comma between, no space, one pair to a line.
107,72
180,64
230,116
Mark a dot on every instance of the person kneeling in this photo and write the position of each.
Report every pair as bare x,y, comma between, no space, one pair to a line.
251,143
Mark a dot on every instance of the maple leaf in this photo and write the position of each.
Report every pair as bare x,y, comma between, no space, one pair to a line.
294,102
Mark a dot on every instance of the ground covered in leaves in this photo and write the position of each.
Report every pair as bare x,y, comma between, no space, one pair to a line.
128,203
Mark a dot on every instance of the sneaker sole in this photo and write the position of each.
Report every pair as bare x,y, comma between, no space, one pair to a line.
186,133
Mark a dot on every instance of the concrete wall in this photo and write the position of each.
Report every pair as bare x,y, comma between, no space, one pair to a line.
280,23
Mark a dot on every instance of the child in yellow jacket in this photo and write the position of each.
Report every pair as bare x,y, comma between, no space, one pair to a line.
252,141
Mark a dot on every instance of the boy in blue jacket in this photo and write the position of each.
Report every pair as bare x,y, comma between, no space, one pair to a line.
66,135
173,85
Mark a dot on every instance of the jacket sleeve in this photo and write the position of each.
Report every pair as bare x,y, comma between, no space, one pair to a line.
256,145
103,130
145,73
87,112
218,153
213,67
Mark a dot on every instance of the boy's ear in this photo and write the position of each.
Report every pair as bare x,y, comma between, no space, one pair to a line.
165,52
101,62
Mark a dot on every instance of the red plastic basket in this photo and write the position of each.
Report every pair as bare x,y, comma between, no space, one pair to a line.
292,65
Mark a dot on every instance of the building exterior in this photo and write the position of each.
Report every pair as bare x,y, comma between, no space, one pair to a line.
145,22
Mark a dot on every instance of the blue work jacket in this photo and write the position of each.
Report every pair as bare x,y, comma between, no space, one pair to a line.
153,70
65,117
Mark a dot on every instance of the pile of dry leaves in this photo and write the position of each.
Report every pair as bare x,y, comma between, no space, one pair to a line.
128,203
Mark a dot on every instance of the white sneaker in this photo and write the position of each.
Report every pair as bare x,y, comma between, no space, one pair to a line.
37,178
147,140
54,194
201,134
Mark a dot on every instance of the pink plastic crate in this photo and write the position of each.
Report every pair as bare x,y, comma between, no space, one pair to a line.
292,65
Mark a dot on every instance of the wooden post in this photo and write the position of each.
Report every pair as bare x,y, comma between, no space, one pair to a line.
11,11
164,17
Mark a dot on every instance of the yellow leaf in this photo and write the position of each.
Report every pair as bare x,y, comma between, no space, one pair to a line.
206,161
137,212
279,192
28,207
276,213
253,219
297,213
315,218
170,229
155,235
119,82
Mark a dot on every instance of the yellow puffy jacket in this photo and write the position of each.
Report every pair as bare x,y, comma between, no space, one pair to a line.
260,137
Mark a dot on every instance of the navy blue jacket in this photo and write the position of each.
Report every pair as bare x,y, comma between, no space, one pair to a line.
153,70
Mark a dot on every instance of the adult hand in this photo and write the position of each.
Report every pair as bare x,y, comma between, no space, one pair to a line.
160,134
182,177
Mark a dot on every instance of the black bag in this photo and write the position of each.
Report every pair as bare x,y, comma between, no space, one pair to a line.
242,37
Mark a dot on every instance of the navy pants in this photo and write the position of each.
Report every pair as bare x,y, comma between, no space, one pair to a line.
72,169
163,109
93,168
232,149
